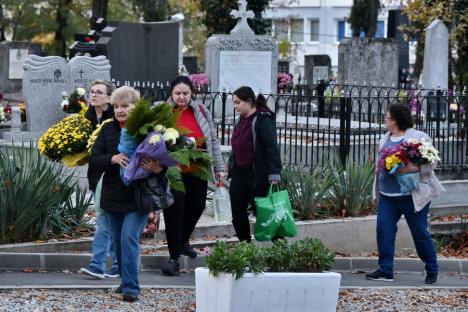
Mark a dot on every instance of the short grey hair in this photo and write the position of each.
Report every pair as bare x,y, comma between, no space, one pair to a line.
110,87
125,94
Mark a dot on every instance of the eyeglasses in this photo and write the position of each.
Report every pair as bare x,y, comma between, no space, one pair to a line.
98,92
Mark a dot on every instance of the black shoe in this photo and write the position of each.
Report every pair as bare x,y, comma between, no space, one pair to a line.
119,290
188,251
379,276
130,297
431,278
171,268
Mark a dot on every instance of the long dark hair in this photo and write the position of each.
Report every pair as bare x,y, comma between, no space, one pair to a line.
246,94
181,79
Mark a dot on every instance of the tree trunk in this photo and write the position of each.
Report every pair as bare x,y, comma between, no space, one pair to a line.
63,9
2,24
99,10
418,63
374,6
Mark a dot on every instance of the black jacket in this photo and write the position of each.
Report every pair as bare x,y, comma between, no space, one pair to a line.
267,159
115,195
93,176
91,115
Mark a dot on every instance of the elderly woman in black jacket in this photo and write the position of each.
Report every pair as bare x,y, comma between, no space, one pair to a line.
255,160
118,199
98,111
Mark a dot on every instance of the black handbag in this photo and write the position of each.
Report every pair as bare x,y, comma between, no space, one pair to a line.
153,193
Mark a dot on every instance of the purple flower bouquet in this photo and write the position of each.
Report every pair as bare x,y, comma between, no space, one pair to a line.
154,147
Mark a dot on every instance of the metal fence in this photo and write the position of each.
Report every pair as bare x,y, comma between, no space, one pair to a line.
316,121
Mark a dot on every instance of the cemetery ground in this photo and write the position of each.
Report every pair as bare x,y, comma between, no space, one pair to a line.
32,289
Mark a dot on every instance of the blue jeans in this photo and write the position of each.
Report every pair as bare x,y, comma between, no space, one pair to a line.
389,212
126,230
102,244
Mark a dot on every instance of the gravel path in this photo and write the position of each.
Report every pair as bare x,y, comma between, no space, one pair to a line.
183,300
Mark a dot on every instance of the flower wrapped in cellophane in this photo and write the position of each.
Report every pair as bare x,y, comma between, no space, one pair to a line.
66,141
155,128
412,151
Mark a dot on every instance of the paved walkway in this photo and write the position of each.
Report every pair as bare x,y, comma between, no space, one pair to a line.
154,279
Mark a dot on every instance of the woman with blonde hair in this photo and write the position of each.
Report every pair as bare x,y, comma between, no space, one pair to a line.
118,199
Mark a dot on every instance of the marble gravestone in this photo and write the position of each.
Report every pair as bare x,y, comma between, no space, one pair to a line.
367,61
242,58
436,49
84,70
44,80
435,70
317,67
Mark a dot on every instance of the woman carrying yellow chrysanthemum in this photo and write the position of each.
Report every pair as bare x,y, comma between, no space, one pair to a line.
99,112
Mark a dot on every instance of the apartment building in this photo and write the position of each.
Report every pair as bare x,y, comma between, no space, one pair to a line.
314,27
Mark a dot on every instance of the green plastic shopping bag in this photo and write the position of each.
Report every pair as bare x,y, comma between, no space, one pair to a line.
274,215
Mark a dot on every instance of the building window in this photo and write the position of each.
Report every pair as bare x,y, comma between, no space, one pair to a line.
380,32
314,30
343,30
281,29
297,30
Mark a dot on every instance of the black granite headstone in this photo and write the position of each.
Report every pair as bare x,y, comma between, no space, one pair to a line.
283,67
190,63
141,51
11,78
396,19
322,71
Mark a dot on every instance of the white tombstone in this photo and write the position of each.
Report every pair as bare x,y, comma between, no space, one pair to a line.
45,78
242,58
435,65
84,70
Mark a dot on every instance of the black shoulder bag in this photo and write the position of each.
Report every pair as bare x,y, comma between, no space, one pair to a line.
153,193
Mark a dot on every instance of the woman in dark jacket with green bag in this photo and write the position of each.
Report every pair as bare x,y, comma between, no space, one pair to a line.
255,160
126,222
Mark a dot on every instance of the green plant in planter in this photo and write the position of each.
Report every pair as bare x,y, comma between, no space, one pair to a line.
235,259
308,255
351,192
307,190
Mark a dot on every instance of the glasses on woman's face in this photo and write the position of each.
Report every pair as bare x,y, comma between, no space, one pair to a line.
96,92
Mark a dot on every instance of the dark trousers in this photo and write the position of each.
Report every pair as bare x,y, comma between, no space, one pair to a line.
389,212
181,218
242,193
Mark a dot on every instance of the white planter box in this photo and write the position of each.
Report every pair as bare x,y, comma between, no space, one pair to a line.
267,292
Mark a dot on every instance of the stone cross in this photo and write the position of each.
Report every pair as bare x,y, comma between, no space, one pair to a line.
242,27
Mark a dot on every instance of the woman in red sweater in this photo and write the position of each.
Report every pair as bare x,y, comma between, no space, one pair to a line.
182,217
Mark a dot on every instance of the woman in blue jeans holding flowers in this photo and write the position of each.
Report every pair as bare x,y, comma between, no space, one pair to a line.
118,199
393,203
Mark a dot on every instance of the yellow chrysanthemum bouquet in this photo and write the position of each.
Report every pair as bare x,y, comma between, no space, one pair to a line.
66,141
